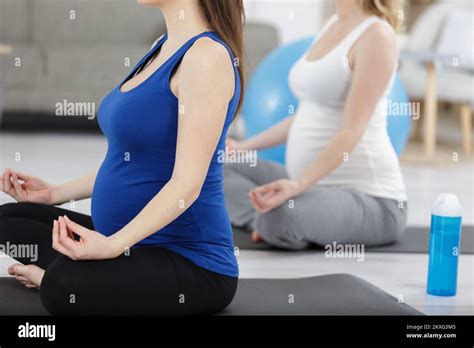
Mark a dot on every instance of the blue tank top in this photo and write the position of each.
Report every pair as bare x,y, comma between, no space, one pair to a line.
141,129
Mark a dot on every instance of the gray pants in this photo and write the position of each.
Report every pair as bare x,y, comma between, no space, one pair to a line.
322,215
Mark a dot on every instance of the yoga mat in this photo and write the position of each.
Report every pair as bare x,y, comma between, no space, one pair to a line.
413,240
335,294
15,299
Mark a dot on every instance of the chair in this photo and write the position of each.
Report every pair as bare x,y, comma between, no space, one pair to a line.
426,80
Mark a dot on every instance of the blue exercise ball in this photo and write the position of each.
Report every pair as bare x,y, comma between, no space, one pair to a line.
268,99
399,118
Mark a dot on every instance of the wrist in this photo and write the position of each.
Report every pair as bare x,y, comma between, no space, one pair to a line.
55,193
117,245
245,144
300,185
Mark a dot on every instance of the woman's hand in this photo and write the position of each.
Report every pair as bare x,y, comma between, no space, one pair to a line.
270,196
25,188
233,144
91,244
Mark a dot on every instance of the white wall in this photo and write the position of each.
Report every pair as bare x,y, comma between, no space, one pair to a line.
293,18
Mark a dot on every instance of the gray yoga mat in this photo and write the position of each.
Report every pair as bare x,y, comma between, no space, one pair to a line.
15,299
335,294
413,240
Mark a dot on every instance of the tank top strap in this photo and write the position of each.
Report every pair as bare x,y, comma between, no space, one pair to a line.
180,53
359,30
325,28
157,44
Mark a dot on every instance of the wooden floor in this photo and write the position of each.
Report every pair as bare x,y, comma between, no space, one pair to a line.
61,157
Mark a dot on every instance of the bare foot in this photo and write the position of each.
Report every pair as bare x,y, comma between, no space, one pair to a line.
256,237
28,275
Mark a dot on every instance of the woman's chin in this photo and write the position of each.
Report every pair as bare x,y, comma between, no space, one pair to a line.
151,3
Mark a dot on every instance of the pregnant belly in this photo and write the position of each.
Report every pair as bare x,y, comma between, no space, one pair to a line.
116,201
304,143
118,198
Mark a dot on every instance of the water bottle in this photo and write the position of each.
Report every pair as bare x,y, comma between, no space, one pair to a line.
445,238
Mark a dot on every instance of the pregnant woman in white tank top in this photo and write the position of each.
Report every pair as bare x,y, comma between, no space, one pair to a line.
342,182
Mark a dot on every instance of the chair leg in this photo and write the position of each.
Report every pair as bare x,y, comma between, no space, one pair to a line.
417,130
466,126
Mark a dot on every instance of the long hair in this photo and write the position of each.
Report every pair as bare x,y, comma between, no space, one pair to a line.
226,18
390,10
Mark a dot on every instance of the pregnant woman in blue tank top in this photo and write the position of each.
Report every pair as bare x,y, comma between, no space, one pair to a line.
159,240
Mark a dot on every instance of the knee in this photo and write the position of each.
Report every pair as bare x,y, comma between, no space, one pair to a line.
7,208
16,209
277,222
393,234
281,227
394,226
56,290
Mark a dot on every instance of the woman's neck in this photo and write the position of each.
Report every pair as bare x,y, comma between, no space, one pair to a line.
348,11
184,19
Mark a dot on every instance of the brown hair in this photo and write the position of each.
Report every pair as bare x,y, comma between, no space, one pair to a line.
226,18
390,10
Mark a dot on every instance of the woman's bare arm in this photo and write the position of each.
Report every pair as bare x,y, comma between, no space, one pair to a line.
77,189
27,188
273,136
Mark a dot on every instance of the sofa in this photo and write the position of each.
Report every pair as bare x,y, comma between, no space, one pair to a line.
77,50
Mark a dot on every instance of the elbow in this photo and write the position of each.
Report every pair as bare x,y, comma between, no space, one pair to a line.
188,189
193,192
352,133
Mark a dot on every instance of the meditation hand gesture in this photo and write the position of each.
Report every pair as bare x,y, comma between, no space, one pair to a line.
25,188
270,196
91,245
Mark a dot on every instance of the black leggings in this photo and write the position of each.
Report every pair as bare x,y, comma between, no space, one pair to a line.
149,281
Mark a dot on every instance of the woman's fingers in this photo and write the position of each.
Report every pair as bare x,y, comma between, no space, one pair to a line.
7,184
275,201
81,231
64,238
273,186
56,242
266,202
263,202
24,176
75,248
258,204
253,202
69,231
19,192
55,233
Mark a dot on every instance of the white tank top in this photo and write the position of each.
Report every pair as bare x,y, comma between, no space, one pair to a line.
321,87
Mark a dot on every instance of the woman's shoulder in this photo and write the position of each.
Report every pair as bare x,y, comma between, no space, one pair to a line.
377,44
208,51
381,32
208,57
379,36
